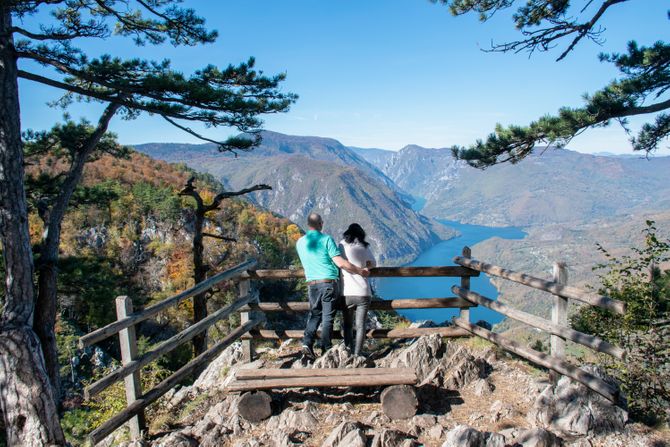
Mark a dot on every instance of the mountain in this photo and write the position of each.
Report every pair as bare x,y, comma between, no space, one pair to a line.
551,186
320,174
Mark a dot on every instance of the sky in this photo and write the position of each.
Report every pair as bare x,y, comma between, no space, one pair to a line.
382,73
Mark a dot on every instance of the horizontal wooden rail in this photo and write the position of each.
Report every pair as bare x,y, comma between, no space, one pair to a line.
376,272
275,373
164,347
149,312
449,331
390,304
366,380
591,341
589,380
574,293
166,385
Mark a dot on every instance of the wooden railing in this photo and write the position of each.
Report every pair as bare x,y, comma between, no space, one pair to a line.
557,328
252,315
136,399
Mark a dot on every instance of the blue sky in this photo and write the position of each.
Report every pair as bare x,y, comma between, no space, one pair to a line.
383,73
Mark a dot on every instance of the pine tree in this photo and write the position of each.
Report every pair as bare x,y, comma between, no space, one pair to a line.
641,88
233,96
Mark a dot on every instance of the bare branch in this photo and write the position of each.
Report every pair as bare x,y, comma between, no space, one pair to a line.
218,236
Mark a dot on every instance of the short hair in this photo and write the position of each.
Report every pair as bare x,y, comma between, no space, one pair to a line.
314,220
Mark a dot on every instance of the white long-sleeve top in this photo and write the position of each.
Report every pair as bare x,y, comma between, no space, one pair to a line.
359,255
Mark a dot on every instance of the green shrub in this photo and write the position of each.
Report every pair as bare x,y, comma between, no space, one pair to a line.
643,332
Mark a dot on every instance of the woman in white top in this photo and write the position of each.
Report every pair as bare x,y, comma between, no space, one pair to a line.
356,288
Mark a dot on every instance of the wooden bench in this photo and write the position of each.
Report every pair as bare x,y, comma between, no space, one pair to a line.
398,400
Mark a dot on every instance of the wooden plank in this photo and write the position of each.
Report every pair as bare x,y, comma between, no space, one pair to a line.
163,348
377,272
317,382
391,304
589,380
166,385
133,383
113,328
559,316
244,287
590,341
276,373
548,286
464,313
450,331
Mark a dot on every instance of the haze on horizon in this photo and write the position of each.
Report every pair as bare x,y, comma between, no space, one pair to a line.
382,74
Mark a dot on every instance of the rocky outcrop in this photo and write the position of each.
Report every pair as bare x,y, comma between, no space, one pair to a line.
491,394
572,410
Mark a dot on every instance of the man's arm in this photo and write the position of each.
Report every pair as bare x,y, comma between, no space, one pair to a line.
349,267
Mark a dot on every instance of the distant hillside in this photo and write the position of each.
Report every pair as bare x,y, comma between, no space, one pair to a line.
551,187
320,174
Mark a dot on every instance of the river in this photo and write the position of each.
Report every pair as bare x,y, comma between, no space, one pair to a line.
442,254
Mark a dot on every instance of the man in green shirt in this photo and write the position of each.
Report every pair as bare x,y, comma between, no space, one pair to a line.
320,257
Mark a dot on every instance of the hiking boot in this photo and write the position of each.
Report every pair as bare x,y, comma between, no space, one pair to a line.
308,352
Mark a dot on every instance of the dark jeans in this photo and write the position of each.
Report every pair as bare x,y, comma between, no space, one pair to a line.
322,301
357,305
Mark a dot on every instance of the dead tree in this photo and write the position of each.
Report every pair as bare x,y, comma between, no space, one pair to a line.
200,269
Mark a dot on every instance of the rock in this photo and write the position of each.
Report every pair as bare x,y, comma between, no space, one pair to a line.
467,370
500,410
538,437
339,357
510,434
464,436
494,440
346,434
392,438
572,410
424,355
424,420
175,440
293,420
212,376
333,419
435,432
483,387
399,401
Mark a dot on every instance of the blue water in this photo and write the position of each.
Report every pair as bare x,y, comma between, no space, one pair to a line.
442,254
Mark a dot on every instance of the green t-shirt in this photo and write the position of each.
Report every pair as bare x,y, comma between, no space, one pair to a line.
316,251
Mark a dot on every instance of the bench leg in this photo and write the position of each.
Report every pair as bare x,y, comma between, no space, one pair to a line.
254,406
399,401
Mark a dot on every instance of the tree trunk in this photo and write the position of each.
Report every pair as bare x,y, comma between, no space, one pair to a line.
199,274
26,399
47,270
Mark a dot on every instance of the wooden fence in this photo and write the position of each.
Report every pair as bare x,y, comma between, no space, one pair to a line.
557,327
252,315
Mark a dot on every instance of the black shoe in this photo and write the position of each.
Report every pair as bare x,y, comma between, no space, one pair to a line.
308,352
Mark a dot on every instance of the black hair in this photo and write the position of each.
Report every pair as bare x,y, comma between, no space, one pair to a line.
354,232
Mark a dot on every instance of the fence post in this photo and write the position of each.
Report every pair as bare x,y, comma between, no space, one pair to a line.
124,307
248,353
559,315
465,284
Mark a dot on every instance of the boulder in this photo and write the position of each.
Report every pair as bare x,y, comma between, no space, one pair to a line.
537,437
339,357
483,387
347,434
572,410
464,436
424,355
175,440
392,438
290,420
